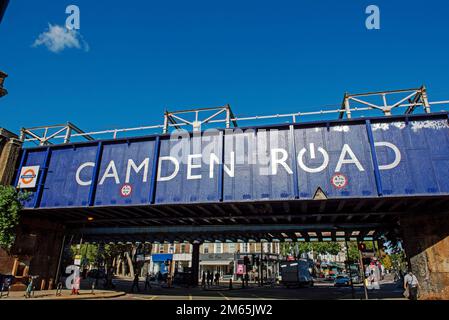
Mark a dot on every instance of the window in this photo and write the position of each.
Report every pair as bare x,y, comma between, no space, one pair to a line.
265,247
219,247
244,247
183,248
231,247
206,248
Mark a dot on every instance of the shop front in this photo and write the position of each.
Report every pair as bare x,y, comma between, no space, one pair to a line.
160,262
223,263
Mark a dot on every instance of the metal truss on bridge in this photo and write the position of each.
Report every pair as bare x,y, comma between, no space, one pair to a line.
194,119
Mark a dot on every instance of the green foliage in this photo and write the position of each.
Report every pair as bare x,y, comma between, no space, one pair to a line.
386,262
332,248
10,206
88,251
353,251
398,260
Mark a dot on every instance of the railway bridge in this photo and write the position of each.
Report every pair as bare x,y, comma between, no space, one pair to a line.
331,180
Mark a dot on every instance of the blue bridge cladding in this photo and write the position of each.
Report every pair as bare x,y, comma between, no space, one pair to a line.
317,143
380,157
424,162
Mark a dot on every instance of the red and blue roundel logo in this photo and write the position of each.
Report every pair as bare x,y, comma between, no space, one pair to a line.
339,181
126,190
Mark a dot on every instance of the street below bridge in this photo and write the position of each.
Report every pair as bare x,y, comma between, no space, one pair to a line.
320,291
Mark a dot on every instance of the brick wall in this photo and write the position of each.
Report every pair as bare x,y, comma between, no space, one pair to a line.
426,242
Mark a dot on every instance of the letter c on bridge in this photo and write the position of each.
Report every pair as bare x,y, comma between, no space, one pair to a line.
78,171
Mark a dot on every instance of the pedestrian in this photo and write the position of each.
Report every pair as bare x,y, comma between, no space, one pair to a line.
29,288
247,279
147,281
209,278
135,283
203,280
217,278
411,286
76,284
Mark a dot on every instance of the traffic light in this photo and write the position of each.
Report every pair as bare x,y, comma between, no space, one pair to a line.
362,246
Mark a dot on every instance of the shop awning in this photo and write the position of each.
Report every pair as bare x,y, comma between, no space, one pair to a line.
161,257
215,263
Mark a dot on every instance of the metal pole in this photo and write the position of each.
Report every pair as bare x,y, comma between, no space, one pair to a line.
363,271
349,269
165,128
347,107
67,134
59,261
425,100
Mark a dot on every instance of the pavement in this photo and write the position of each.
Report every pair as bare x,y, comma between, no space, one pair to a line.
65,295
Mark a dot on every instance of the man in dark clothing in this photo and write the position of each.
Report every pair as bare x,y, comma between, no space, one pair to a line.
135,283
203,280
147,281
209,278
217,278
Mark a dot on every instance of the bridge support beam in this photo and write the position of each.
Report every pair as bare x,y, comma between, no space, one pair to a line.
195,263
426,242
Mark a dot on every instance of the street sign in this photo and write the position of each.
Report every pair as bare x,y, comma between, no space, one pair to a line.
28,177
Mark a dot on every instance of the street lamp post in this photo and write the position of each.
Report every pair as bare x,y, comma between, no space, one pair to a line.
3,91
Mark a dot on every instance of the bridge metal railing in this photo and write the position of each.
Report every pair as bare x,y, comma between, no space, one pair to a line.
408,99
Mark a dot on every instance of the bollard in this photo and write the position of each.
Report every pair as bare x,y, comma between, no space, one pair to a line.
230,284
42,284
93,288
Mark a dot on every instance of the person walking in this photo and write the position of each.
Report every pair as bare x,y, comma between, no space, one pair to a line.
147,281
203,280
135,283
217,278
209,278
247,279
29,288
411,286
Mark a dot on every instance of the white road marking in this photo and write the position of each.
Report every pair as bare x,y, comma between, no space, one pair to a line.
221,294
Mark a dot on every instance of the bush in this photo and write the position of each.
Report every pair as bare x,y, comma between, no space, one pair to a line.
10,206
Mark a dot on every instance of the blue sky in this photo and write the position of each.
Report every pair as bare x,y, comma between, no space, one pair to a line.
262,57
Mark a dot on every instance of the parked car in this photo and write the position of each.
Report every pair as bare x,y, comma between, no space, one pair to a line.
330,277
356,279
342,281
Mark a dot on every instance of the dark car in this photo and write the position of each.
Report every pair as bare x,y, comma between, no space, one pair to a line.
342,281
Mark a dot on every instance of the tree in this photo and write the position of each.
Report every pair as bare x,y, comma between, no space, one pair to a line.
386,262
10,206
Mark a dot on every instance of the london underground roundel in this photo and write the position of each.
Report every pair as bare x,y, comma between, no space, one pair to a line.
28,177
126,190
339,180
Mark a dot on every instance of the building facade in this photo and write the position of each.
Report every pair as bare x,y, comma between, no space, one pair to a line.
226,259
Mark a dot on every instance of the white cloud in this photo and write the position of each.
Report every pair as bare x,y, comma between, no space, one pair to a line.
58,38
